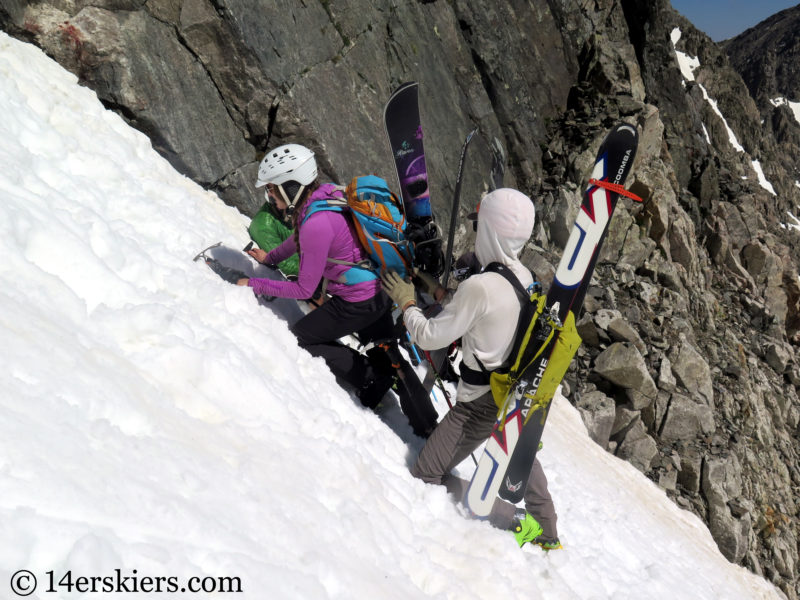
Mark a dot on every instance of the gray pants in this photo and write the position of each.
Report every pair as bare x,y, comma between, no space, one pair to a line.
463,429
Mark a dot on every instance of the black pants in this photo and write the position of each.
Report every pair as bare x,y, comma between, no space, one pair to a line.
370,320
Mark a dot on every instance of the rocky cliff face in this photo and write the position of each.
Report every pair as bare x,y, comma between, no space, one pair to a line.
768,59
688,368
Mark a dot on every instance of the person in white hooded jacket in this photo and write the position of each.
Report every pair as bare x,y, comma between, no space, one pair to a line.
483,313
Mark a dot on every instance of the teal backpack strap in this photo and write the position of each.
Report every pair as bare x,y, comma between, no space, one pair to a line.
359,271
334,204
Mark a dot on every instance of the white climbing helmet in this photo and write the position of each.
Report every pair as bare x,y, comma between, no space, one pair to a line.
290,162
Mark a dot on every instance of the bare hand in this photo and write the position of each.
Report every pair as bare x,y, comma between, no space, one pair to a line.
258,254
243,281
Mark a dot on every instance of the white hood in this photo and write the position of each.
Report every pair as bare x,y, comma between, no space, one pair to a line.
484,310
505,224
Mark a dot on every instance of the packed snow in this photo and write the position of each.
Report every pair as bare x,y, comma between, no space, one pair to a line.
762,179
705,134
688,64
162,431
793,223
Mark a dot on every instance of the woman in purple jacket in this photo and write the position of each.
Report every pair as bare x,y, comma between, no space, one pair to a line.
325,240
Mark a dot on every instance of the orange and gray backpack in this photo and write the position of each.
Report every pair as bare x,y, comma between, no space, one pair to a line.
380,225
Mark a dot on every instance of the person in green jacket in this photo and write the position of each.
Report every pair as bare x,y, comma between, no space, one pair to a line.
270,227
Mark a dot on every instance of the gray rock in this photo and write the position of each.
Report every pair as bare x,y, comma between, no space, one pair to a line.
598,414
692,371
759,261
784,558
563,217
621,331
624,417
691,471
668,480
604,316
732,535
683,249
588,331
666,380
722,482
639,400
638,448
779,356
623,365
624,246
653,413
685,419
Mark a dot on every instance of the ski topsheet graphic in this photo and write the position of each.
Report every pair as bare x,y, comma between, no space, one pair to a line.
506,462
404,130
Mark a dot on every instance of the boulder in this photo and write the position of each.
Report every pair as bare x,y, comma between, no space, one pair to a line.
624,418
621,331
779,356
623,365
692,371
685,419
638,448
666,380
598,414
588,331
691,470
722,482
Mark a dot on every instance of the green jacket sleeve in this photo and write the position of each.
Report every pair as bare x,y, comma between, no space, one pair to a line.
267,231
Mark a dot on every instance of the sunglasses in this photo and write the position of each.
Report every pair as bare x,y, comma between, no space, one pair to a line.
271,192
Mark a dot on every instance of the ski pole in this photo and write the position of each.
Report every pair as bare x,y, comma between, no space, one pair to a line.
413,348
448,256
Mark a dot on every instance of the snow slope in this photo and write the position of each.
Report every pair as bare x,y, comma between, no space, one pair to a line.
158,425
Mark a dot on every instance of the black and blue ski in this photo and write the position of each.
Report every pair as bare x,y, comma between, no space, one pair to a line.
507,459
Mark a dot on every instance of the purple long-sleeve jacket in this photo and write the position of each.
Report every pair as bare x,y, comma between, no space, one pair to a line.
326,234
